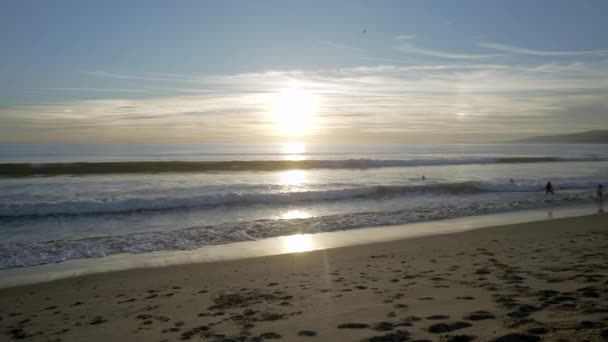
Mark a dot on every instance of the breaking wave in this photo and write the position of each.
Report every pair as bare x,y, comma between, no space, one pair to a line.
111,205
85,168
22,254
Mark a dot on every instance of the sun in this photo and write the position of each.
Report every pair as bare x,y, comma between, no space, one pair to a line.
293,110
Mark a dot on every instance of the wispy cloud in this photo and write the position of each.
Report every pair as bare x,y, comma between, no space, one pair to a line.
106,90
340,46
371,101
411,49
405,37
526,51
149,76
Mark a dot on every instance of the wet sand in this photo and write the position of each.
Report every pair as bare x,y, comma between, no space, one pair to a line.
543,280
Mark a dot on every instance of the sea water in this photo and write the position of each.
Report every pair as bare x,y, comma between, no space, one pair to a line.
264,190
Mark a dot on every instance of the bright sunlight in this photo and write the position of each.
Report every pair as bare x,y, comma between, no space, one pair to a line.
293,151
298,243
294,147
293,177
294,109
295,214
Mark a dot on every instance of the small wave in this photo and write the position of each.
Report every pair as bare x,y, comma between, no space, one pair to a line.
104,206
85,168
21,254
116,206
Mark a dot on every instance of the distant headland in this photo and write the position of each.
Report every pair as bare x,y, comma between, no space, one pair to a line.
589,137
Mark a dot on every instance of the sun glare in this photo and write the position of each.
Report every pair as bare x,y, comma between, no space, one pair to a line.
293,177
293,110
298,243
293,148
294,151
295,214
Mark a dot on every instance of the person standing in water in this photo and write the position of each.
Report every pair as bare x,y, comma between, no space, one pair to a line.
549,189
600,192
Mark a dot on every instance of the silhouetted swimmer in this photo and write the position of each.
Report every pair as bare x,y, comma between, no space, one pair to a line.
600,192
511,180
549,189
423,177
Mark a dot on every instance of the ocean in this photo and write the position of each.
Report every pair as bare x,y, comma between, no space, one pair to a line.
72,201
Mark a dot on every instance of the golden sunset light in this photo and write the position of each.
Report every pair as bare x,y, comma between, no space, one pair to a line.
257,170
293,110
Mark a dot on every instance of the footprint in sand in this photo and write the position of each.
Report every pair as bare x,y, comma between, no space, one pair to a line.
479,316
391,337
353,326
441,328
307,333
538,331
517,337
460,338
270,335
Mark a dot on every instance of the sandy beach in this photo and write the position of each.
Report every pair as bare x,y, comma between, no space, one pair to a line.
544,280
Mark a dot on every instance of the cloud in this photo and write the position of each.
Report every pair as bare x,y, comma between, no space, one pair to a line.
525,51
99,90
340,46
149,76
411,49
382,103
405,37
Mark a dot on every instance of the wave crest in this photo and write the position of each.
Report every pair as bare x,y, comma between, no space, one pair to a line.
85,168
20,254
105,206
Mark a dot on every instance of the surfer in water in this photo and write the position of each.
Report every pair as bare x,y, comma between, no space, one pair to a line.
549,189
600,192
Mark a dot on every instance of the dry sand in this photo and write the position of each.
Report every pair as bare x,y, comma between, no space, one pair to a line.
543,280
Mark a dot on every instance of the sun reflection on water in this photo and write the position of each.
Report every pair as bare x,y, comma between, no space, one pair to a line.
294,147
294,151
293,177
295,214
298,243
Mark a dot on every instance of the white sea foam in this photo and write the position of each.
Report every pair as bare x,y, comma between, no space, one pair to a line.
51,219
19,254
111,205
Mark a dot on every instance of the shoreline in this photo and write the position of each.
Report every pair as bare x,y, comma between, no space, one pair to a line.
278,245
547,278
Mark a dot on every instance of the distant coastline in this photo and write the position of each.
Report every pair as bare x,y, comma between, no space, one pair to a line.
589,137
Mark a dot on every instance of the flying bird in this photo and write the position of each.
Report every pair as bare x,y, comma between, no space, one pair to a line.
364,31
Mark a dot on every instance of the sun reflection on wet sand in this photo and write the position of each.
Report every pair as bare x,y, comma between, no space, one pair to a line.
297,243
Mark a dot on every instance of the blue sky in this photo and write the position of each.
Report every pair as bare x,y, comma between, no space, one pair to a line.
423,71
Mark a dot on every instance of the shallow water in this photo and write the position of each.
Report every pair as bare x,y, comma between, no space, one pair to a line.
279,245
51,219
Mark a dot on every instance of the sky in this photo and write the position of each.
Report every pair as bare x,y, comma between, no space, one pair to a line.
309,71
